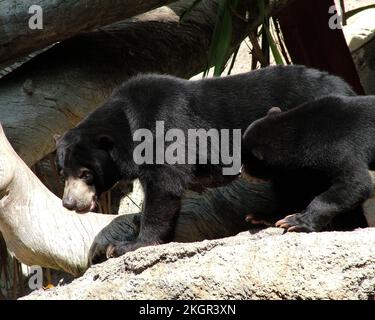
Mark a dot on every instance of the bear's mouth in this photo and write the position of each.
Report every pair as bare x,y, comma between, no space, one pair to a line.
79,196
93,205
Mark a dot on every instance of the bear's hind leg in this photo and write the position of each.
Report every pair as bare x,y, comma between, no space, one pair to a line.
349,188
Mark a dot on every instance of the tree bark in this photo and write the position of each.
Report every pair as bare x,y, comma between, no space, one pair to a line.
61,20
55,90
299,26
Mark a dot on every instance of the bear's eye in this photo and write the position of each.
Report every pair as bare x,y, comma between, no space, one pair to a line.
86,175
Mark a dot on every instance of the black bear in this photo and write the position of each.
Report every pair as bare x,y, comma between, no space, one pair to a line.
333,138
101,150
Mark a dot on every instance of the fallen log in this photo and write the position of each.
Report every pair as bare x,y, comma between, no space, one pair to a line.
59,20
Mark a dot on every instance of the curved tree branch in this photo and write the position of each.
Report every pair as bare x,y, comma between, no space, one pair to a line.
61,20
35,226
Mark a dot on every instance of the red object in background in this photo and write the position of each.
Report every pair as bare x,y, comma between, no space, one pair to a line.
311,42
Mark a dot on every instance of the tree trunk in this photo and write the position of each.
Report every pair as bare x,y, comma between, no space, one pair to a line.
61,20
330,53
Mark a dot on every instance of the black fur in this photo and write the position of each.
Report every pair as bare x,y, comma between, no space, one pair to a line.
222,103
332,138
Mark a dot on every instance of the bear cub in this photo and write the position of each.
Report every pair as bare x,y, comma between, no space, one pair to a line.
333,136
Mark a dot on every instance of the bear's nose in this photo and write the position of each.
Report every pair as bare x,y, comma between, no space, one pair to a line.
69,203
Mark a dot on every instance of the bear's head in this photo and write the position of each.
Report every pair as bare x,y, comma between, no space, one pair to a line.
255,147
85,163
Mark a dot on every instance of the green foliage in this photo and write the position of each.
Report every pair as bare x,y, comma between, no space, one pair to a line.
270,40
233,60
220,46
222,36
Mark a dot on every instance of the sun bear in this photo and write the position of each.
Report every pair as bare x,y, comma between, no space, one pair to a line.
100,150
332,138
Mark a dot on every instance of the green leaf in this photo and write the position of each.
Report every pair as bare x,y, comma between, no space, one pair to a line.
233,60
271,42
223,39
261,9
222,36
275,50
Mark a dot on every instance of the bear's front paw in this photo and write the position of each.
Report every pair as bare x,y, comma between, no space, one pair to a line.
294,223
97,253
256,220
117,250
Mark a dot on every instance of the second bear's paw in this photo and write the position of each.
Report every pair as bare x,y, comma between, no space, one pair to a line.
294,223
119,249
254,219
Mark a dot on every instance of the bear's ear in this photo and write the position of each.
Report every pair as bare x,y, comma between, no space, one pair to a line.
258,153
105,142
273,111
56,137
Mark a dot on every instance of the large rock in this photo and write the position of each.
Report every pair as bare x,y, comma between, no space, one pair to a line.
263,265
360,36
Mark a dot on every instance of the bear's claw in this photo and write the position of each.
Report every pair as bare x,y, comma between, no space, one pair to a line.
254,220
291,223
119,249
